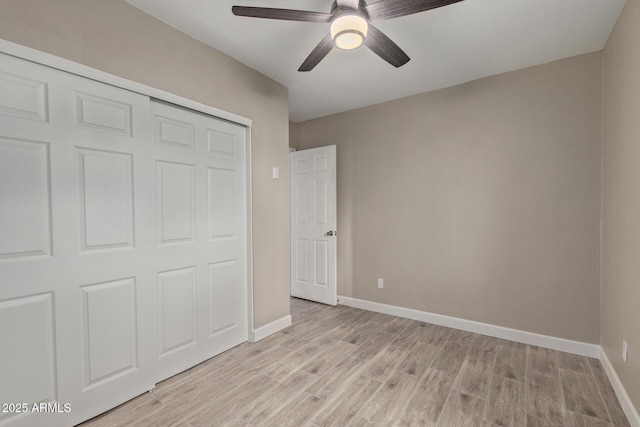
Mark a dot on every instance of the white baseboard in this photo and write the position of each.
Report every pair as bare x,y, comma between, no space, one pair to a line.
627,406
270,328
554,343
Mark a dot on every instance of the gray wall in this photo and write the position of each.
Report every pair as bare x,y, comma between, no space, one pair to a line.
293,135
117,38
480,201
621,198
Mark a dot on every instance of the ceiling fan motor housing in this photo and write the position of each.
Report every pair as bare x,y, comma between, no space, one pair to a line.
361,6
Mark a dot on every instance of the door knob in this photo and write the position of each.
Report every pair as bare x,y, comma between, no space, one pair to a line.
331,233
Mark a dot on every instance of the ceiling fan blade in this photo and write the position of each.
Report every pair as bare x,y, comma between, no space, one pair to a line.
284,14
385,48
387,9
348,4
317,54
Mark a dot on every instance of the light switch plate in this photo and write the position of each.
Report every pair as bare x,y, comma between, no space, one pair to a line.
276,172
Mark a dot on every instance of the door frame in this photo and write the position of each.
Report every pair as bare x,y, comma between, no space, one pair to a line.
71,67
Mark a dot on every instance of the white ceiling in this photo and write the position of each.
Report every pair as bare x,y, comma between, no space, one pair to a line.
448,46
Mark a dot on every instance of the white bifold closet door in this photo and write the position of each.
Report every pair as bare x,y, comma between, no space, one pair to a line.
123,245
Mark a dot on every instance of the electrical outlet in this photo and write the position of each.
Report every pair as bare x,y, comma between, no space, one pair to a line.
625,351
380,283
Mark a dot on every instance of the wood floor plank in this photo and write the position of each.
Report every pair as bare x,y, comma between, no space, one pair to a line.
181,383
424,330
360,318
413,327
344,408
390,399
299,305
505,405
189,399
328,360
331,381
511,362
131,410
380,318
235,423
371,347
450,358
579,420
573,362
428,400
541,361
380,367
361,333
398,327
130,417
544,397
247,350
462,337
330,337
340,331
297,326
361,422
481,357
539,422
474,377
304,335
462,410
242,371
421,423
436,335
231,403
338,316
486,342
295,360
268,404
476,372
419,359
251,368
616,413
408,339
296,413
581,394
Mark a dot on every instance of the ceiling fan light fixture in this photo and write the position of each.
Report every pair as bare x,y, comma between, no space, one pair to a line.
349,30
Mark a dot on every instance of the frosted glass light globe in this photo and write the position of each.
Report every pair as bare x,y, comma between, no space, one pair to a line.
349,31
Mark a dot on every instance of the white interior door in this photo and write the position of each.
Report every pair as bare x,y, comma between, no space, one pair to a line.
313,224
123,245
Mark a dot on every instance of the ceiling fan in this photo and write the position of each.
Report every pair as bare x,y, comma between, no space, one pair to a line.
351,25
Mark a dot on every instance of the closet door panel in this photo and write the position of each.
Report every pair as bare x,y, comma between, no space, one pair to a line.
200,225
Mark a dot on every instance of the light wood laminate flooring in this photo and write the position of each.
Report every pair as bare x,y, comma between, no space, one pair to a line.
340,366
